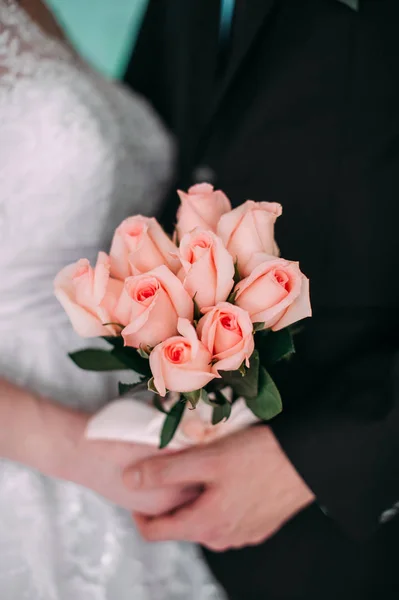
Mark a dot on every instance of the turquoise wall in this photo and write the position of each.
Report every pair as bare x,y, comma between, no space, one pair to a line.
103,31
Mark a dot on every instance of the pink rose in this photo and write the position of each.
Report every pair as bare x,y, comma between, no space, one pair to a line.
249,228
276,292
201,207
150,306
227,332
181,363
207,268
89,296
139,245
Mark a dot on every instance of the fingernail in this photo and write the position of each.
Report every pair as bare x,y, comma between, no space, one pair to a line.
134,478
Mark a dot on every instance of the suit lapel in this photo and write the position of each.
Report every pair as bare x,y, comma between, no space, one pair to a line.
204,92
201,46
249,18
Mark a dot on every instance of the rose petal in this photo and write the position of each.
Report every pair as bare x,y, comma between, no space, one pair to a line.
101,277
156,369
232,359
140,244
208,267
200,189
185,380
74,288
84,323
154,325
83,284
249,228
300,309
180,299
256,259
206,330
264,293
230,351
185,328
145,257
200,207
270,315
111,298
225,339
224,271
187,216
122,245
200,281
165,245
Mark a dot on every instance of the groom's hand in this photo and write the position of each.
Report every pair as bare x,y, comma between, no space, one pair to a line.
250,490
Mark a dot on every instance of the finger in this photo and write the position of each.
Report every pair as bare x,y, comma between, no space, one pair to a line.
194,466
218,546
186,524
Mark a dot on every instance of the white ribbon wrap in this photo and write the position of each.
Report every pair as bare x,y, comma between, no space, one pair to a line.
134,419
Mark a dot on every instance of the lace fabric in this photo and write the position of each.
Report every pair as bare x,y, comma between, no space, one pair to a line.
21,42
77,155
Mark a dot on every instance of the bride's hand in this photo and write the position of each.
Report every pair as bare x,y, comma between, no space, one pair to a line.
51,439
99,465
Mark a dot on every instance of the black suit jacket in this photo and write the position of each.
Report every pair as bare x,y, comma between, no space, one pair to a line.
305,112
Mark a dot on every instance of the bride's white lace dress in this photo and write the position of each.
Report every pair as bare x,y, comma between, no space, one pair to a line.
77,155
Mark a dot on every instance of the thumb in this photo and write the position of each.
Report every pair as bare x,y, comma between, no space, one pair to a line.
196,465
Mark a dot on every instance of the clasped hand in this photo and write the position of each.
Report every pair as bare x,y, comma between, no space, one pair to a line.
249,490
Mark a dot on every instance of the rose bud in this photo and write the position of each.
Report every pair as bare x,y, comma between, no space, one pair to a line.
150,306
249,228
139,245
276,292
207,268
227,332
181,363
89,296
201,206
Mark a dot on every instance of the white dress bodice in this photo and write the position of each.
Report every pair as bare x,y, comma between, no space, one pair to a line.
77,155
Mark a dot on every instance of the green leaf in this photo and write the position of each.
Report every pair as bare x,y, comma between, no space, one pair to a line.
125,388
171,423
237,276
193,397
296,328
215,401
151,386
274,346
246,386
232,297
129,356
205,398
157,402
221,408
221,412
353,4
220,398
267,403
197,311
116,341
259,326
115,324
95,359
132,360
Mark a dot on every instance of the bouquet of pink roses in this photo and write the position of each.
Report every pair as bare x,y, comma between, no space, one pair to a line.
199,319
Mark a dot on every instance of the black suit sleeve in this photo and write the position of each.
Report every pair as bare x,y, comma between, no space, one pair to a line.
351,462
